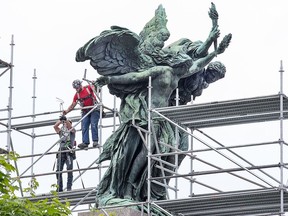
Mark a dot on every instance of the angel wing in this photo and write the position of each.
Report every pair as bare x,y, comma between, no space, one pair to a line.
113,52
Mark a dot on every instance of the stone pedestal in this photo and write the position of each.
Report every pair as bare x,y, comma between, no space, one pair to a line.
114,212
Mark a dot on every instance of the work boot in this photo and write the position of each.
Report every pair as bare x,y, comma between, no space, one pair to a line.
69,188
96,144
83,145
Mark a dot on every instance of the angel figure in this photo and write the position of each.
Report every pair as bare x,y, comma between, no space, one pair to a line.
126,61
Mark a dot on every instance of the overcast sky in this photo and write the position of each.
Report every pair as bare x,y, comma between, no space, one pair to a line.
47,35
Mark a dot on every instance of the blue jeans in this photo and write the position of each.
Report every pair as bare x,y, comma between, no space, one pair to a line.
64,158
92,119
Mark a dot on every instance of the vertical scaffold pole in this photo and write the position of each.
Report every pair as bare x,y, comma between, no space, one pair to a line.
191,162
281,141
101,128
176,146
33,119
191,158
10,97
149,148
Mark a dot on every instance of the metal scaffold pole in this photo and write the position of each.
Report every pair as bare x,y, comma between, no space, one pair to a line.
191,163
177,147
149,148
101,129
281,141
33,119
192,156
10,97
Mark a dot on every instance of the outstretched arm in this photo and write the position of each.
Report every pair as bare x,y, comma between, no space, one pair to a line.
70,108
133,77
202,62
203,49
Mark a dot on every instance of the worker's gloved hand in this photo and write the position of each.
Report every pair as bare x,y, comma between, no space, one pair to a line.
63,118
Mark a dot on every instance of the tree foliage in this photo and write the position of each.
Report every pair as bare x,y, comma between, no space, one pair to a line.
11,205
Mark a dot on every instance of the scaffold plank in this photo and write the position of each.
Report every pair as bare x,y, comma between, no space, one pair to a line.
223,113
73,196
50,122
253,202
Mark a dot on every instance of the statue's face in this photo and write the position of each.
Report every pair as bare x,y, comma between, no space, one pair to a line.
163,34
215,71
213,75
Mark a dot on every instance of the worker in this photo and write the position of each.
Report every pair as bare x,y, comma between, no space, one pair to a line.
66,153
86,98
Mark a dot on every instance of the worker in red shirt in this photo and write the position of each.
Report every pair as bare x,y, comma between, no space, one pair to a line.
86,98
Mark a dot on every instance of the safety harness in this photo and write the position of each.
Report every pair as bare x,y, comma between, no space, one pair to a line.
81,100
68,139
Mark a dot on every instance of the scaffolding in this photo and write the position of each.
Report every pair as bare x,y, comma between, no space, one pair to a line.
266,194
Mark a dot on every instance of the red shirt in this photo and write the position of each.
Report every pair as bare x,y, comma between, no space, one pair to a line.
84,97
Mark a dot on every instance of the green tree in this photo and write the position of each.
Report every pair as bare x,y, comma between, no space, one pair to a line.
11,205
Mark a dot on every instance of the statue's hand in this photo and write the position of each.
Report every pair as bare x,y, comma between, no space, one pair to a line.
215,33
224,43
213,14
101,81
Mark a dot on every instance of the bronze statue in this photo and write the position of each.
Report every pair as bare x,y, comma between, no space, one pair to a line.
126,61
